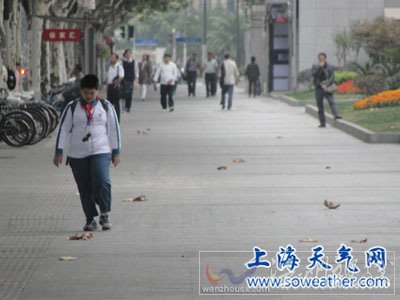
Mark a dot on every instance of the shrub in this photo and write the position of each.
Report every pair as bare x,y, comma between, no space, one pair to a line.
371,84
342,76
387,98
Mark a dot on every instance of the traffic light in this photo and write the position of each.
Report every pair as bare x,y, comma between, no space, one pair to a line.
131,32
123,33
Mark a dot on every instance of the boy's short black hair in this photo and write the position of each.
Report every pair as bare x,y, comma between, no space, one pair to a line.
253,59
226,55
322,53
90,81
167,55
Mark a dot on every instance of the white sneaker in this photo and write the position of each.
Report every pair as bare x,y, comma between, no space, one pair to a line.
164,109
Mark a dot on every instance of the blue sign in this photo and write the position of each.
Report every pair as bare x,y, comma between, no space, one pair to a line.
146,42
193,40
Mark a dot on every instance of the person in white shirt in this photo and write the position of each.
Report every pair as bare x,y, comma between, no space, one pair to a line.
115,75
228,77
89,127
210,69
167,74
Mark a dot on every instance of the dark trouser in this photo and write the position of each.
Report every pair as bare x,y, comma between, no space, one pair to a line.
227,88
128,90
320,94
166,91
191,81
113,95
211,84
92,176
252,86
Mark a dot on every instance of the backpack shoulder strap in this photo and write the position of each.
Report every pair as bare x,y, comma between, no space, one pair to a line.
73,106
104,104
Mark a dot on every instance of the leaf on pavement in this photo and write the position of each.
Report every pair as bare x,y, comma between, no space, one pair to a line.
67,258
360,241
222,168
238,160
327,167
279,137
141,197
83,236
308,240
331,205
148,129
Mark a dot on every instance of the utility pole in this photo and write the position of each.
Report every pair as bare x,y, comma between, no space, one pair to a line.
204,48
237,33
174,45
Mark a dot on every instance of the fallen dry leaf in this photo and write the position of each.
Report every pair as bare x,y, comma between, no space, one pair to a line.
308,240
83,236
148,129
360,241
145,133
238,160
138,132
279,137
328,167
141,197
67,258
331,205
222,168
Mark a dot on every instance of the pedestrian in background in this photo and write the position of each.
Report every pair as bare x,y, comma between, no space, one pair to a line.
166,73
324,82
131,74
191,68
253,76
89,127
145,72
229,77
210,69
115,75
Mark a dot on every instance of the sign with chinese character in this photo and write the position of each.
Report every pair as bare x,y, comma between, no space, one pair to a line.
61,35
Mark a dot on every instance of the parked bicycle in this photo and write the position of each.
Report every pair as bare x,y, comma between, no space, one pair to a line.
27,123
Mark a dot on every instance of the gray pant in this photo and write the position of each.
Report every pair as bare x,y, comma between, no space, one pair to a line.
320,94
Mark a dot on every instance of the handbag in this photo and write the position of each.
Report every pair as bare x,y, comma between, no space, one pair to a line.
329,88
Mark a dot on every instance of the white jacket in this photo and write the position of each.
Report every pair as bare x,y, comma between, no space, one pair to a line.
231,71
104,130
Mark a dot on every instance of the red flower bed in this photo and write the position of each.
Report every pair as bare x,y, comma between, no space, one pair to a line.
347,87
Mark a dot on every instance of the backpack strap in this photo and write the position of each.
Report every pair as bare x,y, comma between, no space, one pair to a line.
76,101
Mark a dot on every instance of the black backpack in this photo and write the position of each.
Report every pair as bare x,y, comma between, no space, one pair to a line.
11,79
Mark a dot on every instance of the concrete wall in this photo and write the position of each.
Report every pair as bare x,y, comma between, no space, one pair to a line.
320,19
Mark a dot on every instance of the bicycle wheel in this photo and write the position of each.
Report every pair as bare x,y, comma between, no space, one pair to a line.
17,128
53,116
41,124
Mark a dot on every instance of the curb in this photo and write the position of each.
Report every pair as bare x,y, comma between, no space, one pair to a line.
359,132
289,100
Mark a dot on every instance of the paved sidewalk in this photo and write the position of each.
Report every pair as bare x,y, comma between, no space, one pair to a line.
274,198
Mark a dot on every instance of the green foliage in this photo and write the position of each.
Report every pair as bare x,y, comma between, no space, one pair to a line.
343,43
342,76
372,83
221,37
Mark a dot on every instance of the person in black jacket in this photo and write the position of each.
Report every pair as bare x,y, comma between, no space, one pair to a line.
131,74
253,74
324,76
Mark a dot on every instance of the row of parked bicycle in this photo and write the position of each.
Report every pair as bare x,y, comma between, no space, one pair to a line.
26,122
